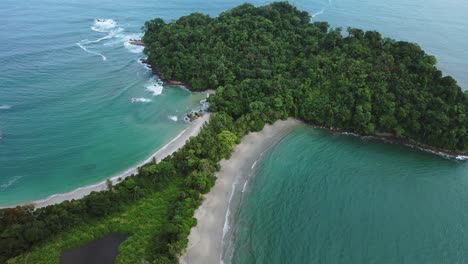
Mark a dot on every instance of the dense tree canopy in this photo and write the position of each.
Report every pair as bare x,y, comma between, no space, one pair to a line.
273,62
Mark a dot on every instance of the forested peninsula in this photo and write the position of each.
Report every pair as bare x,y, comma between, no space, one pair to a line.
265,63
271,62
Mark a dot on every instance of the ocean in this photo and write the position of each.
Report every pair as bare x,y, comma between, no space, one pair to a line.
68,74
315,197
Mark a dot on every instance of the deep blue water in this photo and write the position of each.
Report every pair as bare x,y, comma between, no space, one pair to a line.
66,80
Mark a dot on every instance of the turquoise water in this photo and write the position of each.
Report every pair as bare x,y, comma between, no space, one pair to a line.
66,79
319,198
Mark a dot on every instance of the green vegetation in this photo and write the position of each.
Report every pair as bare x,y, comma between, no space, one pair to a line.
271,61
266,63
155,207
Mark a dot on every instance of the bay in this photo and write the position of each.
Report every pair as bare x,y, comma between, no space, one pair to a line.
321,198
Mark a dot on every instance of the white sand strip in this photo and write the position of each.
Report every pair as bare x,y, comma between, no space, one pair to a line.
206,239
163,152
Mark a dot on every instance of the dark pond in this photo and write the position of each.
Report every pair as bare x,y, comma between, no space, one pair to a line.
99,251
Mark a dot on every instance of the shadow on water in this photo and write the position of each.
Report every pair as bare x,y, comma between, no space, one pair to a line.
99,251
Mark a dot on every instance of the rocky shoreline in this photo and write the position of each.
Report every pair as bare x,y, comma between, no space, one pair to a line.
156,71
193,115
136,42
392,139
385,137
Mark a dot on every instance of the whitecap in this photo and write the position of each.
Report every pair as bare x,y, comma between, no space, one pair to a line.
141,100
245,185
130,47
255,163
146,65
318,13
461,157
114,32
173,118
205,105
103,25
155,86
226,226
5,107
133,48
125,39
86,41
92,52
4,186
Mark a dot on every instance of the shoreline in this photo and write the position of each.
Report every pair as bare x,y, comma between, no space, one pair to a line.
166,150
206,239
391,139
155,70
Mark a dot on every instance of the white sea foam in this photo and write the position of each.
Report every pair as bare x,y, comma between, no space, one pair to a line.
255,163
226,226
92,52
4,186
142,100
155,86
86,41
173,118
461,157
144,64
113,31
245,185
318,13
133,48
125,39
205,105
103,25
130,47
5,107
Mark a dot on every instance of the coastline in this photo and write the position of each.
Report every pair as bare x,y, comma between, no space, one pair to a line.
391,139
171,147
206,238
384,137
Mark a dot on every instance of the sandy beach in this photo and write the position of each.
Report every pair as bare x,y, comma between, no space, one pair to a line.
206,239
163,152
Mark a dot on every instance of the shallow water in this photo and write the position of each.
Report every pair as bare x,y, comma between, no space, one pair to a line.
321,198
66,79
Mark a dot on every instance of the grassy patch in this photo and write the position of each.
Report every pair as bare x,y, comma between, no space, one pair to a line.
142,220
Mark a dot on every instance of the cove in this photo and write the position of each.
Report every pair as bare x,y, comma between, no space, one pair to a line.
322,198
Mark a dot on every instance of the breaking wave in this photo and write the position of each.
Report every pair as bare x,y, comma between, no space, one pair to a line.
142,100
173,118
113,31
318,13
155,86
204,105
92,52
103,25
5,186
5,107
130,47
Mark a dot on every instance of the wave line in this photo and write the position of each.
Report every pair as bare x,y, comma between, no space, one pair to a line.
92,52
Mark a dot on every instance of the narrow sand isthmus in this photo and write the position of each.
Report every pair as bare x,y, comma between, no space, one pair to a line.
206,239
